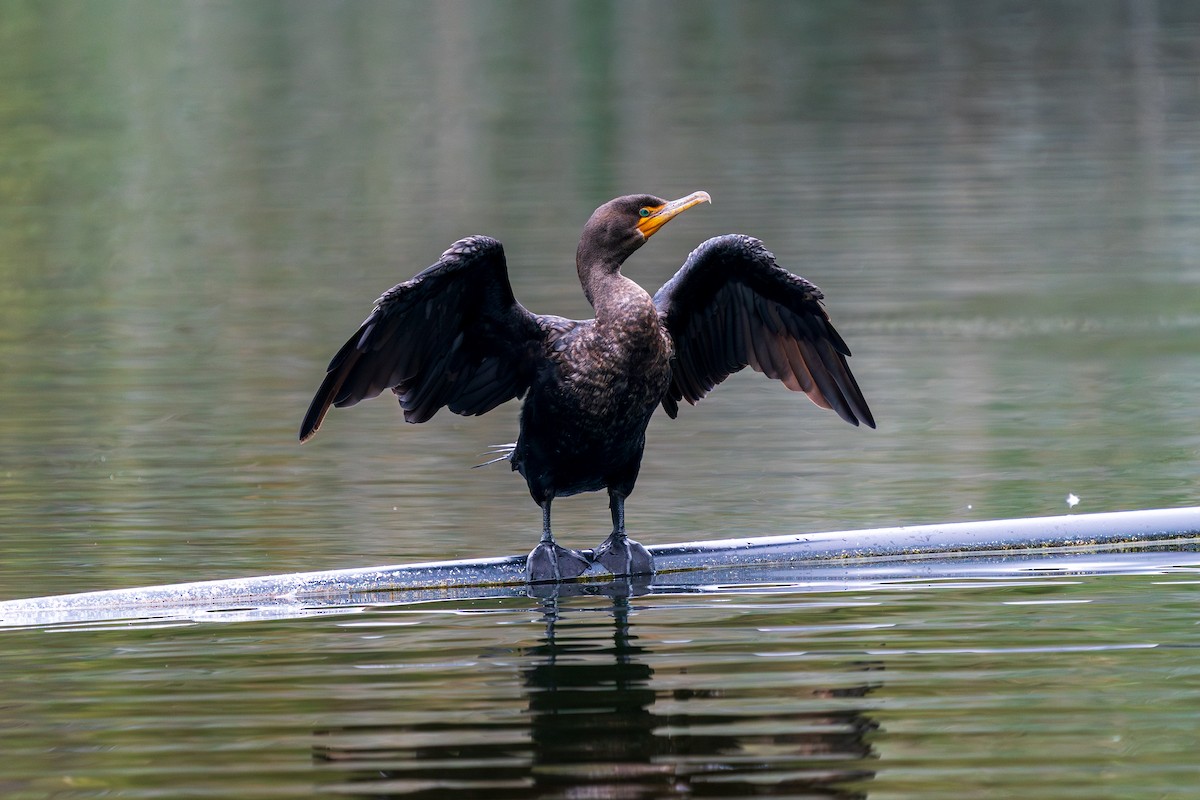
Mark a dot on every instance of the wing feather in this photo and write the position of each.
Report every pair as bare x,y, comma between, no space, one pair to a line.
453,336
731,306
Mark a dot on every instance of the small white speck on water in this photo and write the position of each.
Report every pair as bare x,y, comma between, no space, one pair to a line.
1072,500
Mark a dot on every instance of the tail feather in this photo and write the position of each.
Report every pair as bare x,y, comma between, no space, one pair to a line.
501,452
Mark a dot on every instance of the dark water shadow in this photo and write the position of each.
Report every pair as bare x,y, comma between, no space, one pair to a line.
591,728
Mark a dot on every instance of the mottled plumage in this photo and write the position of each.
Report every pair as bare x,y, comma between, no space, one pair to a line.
454,336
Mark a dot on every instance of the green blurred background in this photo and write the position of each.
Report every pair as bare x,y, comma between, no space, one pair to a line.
199,201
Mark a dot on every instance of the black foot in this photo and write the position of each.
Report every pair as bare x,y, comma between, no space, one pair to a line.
550,562
624,556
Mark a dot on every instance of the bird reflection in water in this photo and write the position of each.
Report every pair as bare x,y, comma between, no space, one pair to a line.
592,729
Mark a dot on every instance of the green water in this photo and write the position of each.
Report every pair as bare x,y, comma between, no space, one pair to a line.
1007,680
199,201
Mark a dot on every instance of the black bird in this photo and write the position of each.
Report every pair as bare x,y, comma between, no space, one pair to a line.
454,336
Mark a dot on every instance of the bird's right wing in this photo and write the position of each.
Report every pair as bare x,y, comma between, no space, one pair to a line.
730,305
452,336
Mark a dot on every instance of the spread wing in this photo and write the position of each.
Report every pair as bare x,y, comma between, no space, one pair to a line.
452,336
731,305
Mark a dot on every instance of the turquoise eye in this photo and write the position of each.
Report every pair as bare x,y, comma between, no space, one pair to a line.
645,212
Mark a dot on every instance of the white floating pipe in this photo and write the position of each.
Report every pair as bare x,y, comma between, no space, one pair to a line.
447,578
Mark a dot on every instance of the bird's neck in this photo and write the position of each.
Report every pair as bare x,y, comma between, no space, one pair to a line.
611,294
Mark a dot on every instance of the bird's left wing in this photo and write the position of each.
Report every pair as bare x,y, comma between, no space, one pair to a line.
731,305
452,336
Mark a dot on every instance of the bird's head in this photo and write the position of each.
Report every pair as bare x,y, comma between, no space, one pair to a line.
621,226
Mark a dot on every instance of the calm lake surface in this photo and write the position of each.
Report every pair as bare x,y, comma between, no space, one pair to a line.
199,202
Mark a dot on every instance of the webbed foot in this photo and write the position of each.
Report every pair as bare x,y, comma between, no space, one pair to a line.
621,555
551,562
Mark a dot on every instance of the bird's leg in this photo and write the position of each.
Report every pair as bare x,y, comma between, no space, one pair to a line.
616,507
619,554
551,562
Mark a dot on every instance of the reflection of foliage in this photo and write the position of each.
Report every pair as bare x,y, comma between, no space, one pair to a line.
57,116
22,158
196,197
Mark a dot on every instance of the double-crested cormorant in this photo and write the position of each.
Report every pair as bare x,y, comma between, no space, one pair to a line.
455,336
